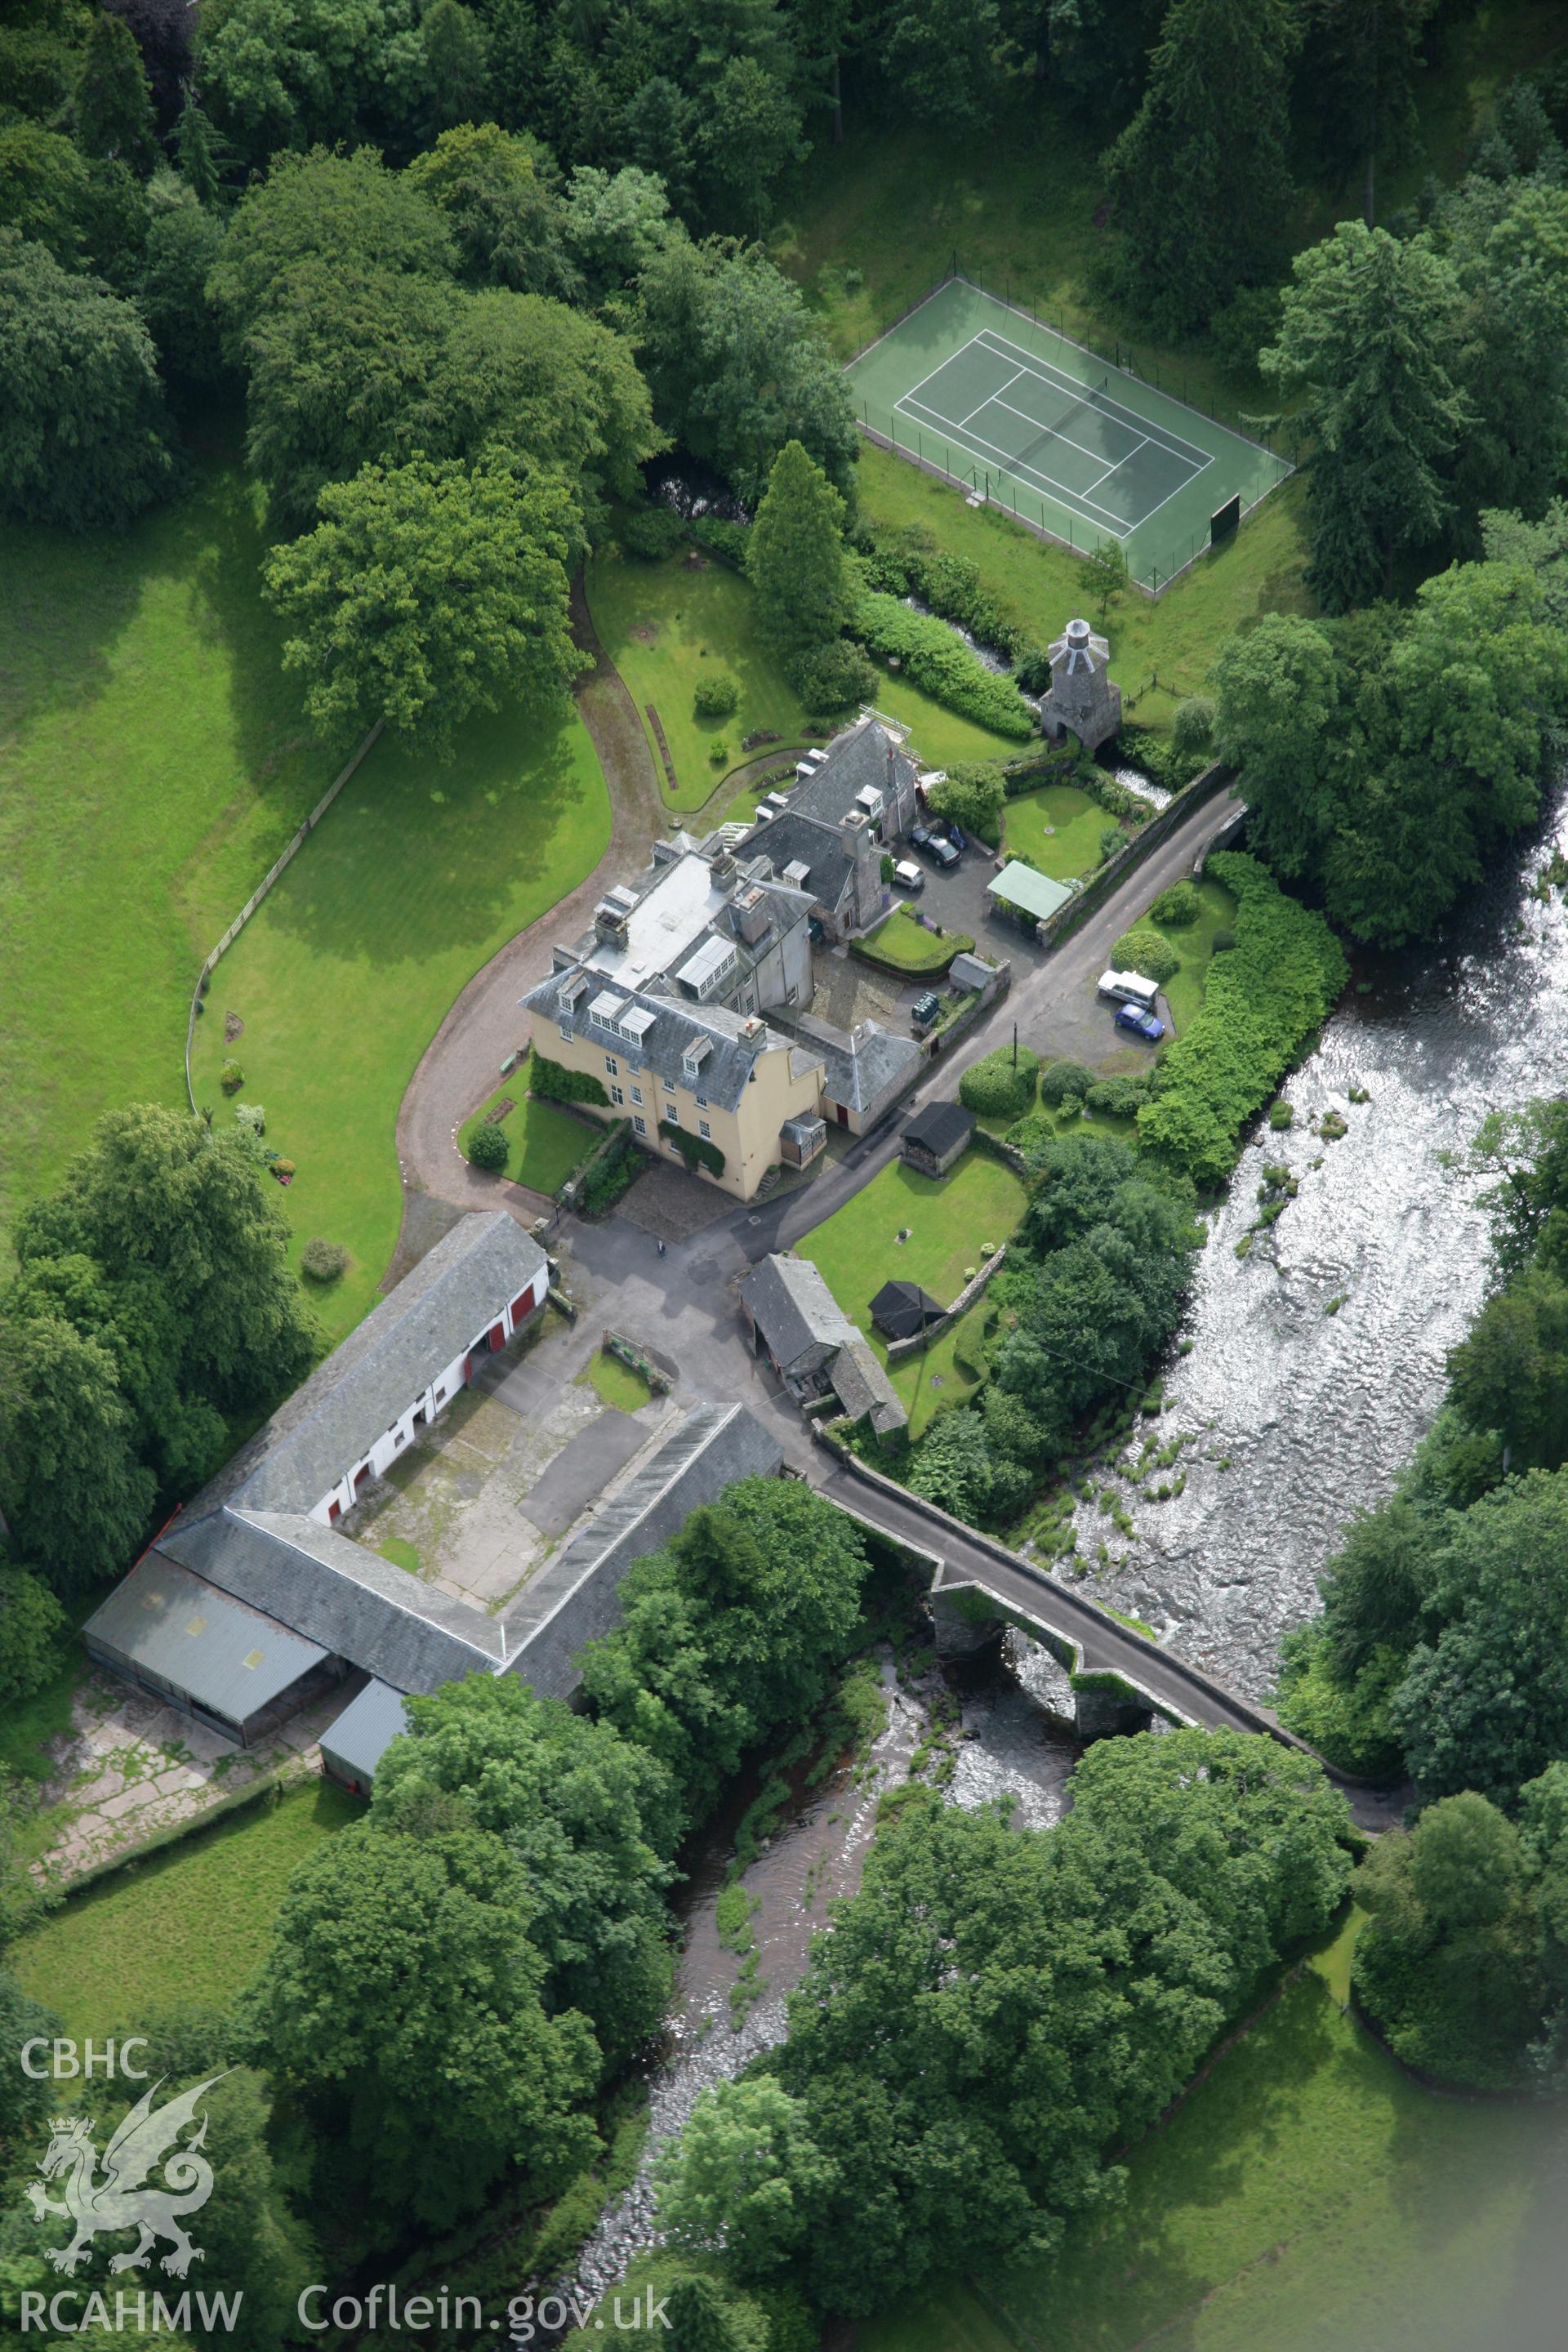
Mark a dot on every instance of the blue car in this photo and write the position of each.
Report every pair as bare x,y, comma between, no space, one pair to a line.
1140,1023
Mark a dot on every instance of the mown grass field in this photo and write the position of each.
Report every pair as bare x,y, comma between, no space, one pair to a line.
190,1924
857,1250
153,762
414,879
544,1145
1306,2197
1057,829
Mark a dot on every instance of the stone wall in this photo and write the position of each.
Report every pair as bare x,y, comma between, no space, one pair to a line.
898,1349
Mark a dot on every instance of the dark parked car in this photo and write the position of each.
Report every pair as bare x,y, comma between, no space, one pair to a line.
1141,1025
941,852
919,837
958,837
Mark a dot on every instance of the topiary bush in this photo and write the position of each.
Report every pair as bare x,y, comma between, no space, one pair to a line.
231,1077
1142,950
554,1082
652,533
1177,907
488,1149
994,1089
1064,1078
322,1260
716,697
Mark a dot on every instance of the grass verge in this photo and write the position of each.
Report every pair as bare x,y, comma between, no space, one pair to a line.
189,1923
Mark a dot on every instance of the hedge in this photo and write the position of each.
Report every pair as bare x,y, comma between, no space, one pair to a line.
1261,1004
994,1088
910,564
554,1082
941,664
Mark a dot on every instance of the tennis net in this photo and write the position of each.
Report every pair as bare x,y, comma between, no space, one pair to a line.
1056,429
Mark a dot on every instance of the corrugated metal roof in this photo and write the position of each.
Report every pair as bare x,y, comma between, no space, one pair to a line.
229,1658
360,1738
1018,885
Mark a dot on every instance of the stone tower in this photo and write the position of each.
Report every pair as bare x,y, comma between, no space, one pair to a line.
1082,701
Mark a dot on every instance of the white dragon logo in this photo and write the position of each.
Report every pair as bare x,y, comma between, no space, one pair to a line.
120,2201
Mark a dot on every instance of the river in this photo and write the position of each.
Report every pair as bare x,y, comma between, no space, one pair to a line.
1295,1416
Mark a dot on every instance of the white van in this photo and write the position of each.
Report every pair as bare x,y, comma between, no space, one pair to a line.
1129,988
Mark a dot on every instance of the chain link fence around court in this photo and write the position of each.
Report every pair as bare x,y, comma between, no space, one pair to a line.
1174,417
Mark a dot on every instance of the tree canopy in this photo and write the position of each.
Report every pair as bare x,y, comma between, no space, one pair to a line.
428,591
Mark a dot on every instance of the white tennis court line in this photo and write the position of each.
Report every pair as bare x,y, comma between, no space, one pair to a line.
1015,357
988,455
1096,457
995,396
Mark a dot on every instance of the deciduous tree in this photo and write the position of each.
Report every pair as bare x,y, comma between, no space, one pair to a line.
428,591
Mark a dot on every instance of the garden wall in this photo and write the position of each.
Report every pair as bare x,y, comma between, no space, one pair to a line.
898,1349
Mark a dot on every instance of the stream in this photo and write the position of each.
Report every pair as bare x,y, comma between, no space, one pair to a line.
1295,1416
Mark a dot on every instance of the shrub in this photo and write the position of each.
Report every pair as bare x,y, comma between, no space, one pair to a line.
1064,1078
994,1088
487,1149
1117,1098
834,676
1033,670
607,1178
943,665
554,1082
716,697
1111,839
1193,726
1281,1115
231,1077
718,751
1177,907
251,1116
281,1167
322,1260
725,539
652,533
1261,1004
1224,941
912,562
1141,949
33,1630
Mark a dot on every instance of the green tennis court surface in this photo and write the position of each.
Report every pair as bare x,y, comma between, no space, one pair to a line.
1012,412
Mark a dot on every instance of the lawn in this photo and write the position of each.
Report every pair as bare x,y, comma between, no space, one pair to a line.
1306,2198
153,762
621,1387
544,1145
415,877
934,1376
904,944
948,1218
667,626
1057,829
1193,942
188,1924
1041,586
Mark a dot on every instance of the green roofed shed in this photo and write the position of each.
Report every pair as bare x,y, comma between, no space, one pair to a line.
1021,891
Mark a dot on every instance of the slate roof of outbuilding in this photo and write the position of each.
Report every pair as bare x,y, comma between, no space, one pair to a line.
333,1419
862,1386
938,1126
360,1738
903,1309
792,1307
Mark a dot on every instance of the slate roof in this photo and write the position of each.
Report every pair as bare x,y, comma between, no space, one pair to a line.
794,838
860,1072
903,1309
938,1126
230,1659
368,1381
857,758
794,1309
675,1023
338,1593
360,1738
863,1386
968,971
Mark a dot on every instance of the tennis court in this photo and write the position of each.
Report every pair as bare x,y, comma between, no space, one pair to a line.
1014,413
